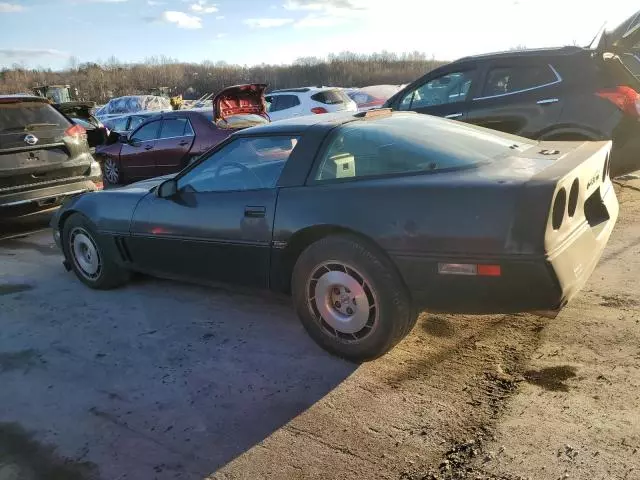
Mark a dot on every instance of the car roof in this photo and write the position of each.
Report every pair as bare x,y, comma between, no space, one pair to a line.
328,120
540,52
303,90
24,96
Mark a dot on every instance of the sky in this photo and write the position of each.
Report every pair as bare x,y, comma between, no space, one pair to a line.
48,33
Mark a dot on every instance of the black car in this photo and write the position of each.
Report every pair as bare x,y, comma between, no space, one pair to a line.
44,157
366,218
81,113
566,93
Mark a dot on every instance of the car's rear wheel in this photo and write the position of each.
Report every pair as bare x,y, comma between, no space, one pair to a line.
350,298
111,171
89,261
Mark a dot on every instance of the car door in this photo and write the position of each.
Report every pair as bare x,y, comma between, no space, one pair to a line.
284,106
137,155
444,94
173,145
518,96
218,226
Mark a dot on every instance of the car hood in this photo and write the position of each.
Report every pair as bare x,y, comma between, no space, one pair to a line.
240,100
145,185
623,38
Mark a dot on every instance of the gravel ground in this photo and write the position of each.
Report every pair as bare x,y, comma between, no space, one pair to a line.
164,380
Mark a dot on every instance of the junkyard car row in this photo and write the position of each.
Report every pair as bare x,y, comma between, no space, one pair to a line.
364,218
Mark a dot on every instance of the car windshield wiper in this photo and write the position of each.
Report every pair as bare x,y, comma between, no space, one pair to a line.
29,126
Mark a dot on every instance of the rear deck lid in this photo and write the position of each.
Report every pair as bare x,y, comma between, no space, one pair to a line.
242,100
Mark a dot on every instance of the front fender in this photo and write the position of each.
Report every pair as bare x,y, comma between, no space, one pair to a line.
110,211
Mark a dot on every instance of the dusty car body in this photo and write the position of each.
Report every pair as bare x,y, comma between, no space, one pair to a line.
44,157
364,219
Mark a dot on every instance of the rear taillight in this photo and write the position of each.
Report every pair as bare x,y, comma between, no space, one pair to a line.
99,184
623,97
319,110
75,131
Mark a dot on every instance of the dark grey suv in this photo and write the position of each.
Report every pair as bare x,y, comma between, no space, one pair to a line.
568,93
44,157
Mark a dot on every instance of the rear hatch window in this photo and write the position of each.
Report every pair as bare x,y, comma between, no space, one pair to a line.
330,97
21,118
406,143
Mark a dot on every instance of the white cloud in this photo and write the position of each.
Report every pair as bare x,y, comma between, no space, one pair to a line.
221,35
107,1
203,6
220,17
153,3
29,53
10,8
326,5
314,20
267,22
329,13
181,19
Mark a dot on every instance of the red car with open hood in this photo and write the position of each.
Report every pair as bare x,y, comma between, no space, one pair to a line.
167,142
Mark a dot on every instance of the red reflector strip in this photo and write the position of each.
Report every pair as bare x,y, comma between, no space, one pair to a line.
99,185
489,270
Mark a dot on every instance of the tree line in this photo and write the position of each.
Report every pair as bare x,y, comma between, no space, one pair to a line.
100,81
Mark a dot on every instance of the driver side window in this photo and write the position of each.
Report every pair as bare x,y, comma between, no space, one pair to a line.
146,132
248,163
451,88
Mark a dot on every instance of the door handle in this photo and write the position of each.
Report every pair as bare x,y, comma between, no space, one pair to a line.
547,101
183,143
148,147
255,212
454,115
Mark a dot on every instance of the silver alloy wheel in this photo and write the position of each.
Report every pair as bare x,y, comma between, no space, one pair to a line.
111,171
84,253
342,301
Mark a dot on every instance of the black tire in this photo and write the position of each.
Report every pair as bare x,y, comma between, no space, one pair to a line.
108,274
392,316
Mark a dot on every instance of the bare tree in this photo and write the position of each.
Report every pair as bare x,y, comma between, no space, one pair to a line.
99,81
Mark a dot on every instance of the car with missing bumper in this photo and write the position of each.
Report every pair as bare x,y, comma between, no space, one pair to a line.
366,219
44,157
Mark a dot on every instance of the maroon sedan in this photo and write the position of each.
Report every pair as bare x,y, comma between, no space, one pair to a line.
165,143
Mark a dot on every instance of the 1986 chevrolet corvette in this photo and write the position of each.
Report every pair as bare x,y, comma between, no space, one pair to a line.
365,218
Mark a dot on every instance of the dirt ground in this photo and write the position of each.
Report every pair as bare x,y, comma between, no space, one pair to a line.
166,380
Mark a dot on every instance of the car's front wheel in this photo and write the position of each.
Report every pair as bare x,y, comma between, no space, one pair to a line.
89,261
111,171
350,298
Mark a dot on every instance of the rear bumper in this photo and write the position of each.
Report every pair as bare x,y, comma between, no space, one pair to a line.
29,201
527,282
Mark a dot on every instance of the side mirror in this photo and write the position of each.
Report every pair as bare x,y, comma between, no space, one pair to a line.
123,138
167,189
